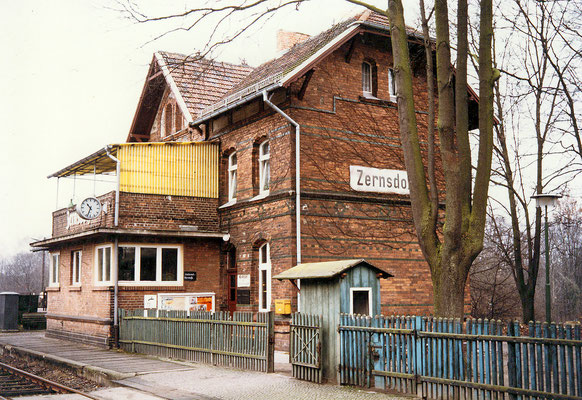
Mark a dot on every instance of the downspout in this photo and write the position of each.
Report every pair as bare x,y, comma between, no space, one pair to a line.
117,171
297,178
115,250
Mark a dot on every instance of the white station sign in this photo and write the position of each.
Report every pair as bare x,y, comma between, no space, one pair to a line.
367,179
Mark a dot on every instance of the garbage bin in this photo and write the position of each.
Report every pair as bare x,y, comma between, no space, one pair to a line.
8,311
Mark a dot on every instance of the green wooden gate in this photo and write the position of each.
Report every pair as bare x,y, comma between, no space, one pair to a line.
305,347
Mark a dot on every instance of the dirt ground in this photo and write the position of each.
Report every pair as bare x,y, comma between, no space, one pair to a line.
50,372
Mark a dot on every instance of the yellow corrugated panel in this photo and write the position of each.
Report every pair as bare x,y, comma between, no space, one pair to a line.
179,169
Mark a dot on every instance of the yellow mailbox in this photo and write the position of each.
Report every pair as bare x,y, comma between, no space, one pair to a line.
283,306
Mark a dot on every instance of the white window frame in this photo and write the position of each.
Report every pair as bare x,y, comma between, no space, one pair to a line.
232,177
367,79
265,267
98,267
361,289
76,267
264,168
54,269
392,90
158,281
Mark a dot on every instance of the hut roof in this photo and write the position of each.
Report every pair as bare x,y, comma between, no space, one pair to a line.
325,270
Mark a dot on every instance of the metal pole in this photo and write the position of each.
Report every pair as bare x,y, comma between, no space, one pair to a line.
548,294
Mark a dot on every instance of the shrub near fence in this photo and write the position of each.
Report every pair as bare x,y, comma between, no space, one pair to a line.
445,358
241,340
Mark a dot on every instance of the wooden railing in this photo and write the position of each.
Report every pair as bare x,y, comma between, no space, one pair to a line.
445,358
242,340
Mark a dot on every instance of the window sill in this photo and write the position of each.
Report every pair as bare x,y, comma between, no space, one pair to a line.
74,288
377,101
260,196
53,289
102,288
228,204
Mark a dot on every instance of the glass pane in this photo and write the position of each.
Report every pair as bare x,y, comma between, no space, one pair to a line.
266,149
100,265
148,264
360,302
233,160
264,288
169,264
263,255
126,263
107,265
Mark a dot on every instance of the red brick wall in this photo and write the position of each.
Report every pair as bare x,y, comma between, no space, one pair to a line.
146,211
339,128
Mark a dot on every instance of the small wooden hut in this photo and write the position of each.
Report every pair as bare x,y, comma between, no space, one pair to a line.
334,287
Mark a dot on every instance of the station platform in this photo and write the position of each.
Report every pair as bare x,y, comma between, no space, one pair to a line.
148,378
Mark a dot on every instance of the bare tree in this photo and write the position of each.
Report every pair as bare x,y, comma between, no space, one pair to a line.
566,257
22,273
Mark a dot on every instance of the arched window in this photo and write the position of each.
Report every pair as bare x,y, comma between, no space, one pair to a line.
168,120
264,168
367,78
232,177
264,278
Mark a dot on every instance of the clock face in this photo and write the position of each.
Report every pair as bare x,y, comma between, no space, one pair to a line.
90,208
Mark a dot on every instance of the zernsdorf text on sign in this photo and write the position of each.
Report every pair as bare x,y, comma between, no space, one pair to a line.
367,179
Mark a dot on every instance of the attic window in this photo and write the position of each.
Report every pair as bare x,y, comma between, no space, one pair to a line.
168,120
392,84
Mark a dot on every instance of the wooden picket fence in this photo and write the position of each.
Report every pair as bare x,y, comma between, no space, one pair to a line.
242,340
444,358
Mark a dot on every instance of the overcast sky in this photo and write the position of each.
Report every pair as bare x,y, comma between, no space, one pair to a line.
70,79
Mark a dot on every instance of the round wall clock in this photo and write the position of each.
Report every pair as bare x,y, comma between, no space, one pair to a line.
90,208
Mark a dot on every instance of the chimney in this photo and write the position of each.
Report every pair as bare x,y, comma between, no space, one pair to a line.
286,39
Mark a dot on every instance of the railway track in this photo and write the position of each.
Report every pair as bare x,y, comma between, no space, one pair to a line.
15,382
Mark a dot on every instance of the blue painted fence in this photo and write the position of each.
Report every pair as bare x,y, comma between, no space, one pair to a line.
476,359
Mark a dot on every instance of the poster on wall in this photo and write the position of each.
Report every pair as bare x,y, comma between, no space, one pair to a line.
186,301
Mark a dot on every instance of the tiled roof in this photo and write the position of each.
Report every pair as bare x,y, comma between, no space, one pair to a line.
202,82
293,57
208,86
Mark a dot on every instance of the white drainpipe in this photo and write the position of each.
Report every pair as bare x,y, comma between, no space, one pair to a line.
297,181
118,170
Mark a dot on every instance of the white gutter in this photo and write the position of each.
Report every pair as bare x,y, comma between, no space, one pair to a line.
297,173
173,87
117,170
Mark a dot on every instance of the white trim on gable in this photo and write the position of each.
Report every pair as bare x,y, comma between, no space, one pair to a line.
174,88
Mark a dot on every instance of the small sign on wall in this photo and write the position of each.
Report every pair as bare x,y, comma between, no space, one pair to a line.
244,280
150,301
189,275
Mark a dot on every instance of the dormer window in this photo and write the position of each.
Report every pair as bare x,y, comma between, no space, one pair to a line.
232,177
264,168
392,84
367,79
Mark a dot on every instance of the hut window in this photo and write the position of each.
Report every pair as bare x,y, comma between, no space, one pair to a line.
232,167
149,264
361,301
76,267
264,278
264,168
103,264
54,269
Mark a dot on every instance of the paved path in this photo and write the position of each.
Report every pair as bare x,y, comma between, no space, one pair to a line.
148,378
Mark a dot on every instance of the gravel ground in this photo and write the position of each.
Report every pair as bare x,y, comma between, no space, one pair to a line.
50,372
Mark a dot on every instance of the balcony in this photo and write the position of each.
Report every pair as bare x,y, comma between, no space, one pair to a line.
160,188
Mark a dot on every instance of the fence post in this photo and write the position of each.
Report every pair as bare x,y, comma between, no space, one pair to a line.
418,372
271,342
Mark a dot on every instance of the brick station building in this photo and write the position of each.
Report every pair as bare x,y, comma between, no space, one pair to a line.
232,174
